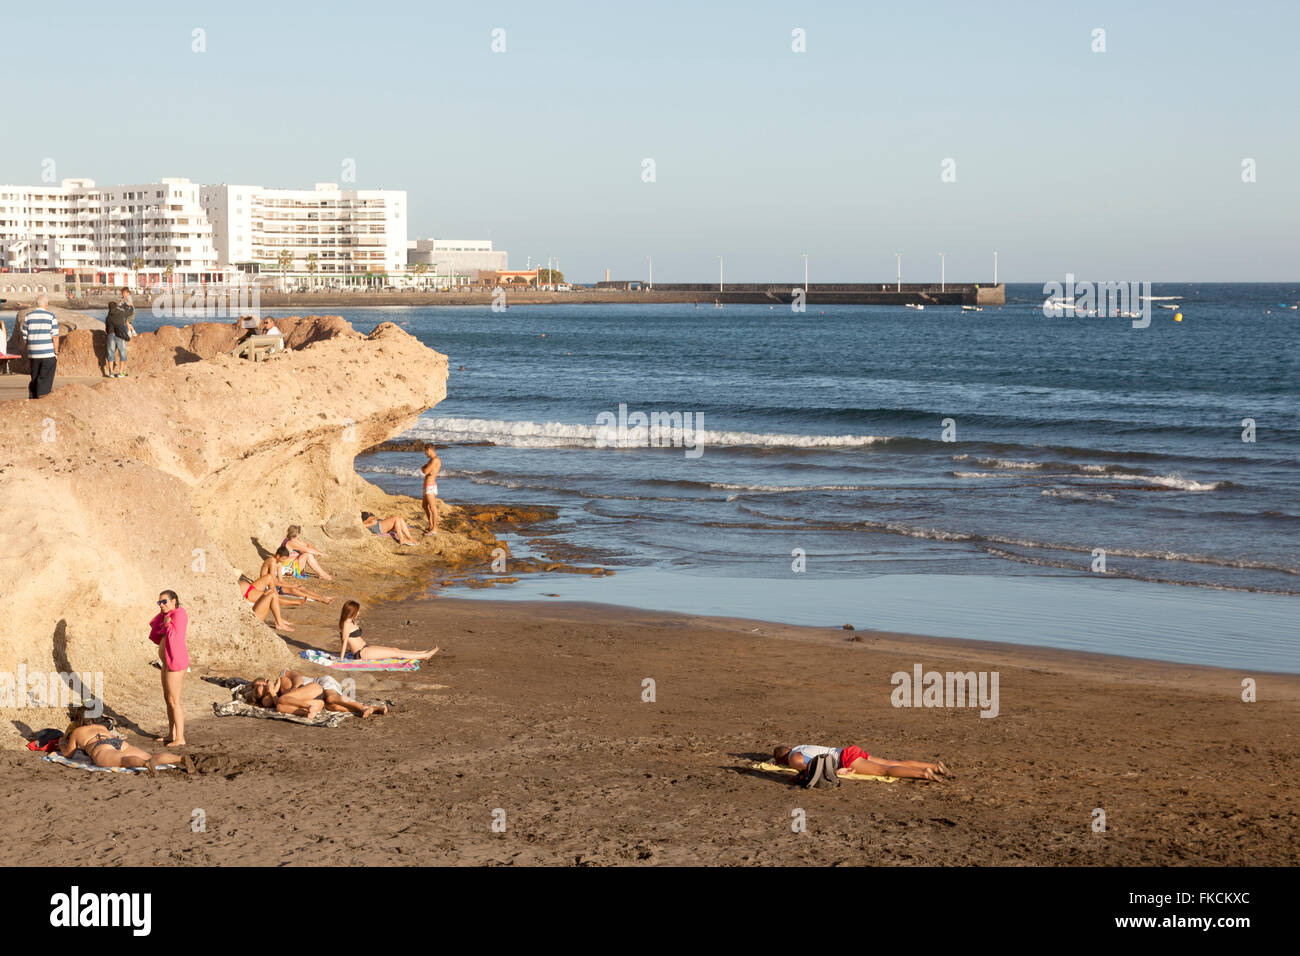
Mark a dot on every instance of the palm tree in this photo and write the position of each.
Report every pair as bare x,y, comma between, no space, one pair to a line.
313,263
420,269
285,260
168,273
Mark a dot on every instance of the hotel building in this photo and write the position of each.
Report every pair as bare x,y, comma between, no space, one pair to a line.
78,226
334,237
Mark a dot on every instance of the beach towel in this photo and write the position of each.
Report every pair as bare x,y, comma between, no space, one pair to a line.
85,763
237,708
776,768
381,664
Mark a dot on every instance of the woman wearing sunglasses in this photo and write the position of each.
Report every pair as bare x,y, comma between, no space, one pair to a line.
167,630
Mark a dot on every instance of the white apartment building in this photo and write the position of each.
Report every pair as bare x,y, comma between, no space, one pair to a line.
460,260
78,225
350,236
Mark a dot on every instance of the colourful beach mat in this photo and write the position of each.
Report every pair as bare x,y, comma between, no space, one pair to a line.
380,664
85,763
777,768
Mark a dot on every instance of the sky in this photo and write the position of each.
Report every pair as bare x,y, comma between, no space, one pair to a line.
1125,164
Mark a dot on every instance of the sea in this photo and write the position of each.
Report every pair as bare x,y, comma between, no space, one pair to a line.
1070,482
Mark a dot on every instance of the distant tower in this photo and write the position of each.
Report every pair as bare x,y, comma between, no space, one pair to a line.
607,273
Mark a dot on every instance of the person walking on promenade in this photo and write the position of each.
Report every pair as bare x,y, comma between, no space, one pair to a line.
118,325
167,630
41,334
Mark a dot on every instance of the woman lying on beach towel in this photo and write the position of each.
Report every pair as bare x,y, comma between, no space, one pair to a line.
854,759
302,555
356,649
105,748
396,528
303,696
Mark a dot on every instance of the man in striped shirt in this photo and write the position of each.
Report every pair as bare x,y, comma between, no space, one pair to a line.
41,333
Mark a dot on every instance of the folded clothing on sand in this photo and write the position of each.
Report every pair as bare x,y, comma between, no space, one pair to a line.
382,664
777,768
82,762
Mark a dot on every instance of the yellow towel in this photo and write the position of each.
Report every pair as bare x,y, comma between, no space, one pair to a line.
843,776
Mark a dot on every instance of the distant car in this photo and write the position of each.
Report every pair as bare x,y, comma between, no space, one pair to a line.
564,287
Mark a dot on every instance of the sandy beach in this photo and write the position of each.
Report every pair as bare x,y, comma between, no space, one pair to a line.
537,711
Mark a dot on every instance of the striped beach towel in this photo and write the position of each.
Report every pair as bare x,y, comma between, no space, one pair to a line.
381,664
85,763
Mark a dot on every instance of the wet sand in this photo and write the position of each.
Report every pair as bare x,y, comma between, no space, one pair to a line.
536,710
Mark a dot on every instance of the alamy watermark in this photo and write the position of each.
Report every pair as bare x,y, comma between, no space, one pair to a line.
653,430
951,689
209,301
52,689
1125,300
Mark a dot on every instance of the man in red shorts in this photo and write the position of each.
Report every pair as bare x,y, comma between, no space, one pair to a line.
853,759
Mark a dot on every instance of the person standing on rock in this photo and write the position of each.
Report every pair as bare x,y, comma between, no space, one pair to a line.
430,470
41,333
119,327
167,630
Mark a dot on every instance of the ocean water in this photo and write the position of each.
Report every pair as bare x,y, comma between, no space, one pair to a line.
959,474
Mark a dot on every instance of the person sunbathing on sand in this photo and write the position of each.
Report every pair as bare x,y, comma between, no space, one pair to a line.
395,527
302,554
274,566
106,748
355,649
854,759
293,693
261,594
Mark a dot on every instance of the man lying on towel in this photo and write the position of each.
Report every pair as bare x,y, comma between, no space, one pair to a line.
303,696
853,759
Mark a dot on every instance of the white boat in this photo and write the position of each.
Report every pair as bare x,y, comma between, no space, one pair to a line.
913,305
972,308
1163,306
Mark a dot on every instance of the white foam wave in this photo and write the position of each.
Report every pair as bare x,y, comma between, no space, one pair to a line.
517,434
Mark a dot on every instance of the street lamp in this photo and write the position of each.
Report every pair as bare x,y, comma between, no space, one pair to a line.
899,257
719,273
805,273
941,265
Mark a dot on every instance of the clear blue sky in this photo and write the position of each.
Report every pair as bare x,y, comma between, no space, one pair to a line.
1117,165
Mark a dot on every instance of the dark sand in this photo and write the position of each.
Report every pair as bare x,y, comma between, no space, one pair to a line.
537,710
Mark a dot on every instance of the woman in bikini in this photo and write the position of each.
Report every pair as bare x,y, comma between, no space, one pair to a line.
274,566
108,749
395,527
262,595
354,648
293,693
302,554
431,469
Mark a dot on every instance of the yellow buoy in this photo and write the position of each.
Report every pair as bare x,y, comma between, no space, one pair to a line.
1178,316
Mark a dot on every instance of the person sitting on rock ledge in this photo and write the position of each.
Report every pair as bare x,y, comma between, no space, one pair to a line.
395,527
274,566
302,555
262,595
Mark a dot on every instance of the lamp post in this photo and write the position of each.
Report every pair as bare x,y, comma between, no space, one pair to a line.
805,273
941,269
720,274
651,259
995,268
899,257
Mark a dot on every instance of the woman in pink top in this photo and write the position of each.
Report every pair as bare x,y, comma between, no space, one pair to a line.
167,630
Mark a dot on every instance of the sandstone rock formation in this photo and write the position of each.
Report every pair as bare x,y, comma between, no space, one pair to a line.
179,478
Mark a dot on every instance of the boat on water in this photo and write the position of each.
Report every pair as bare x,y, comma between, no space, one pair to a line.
913,305
972,308
1175,306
